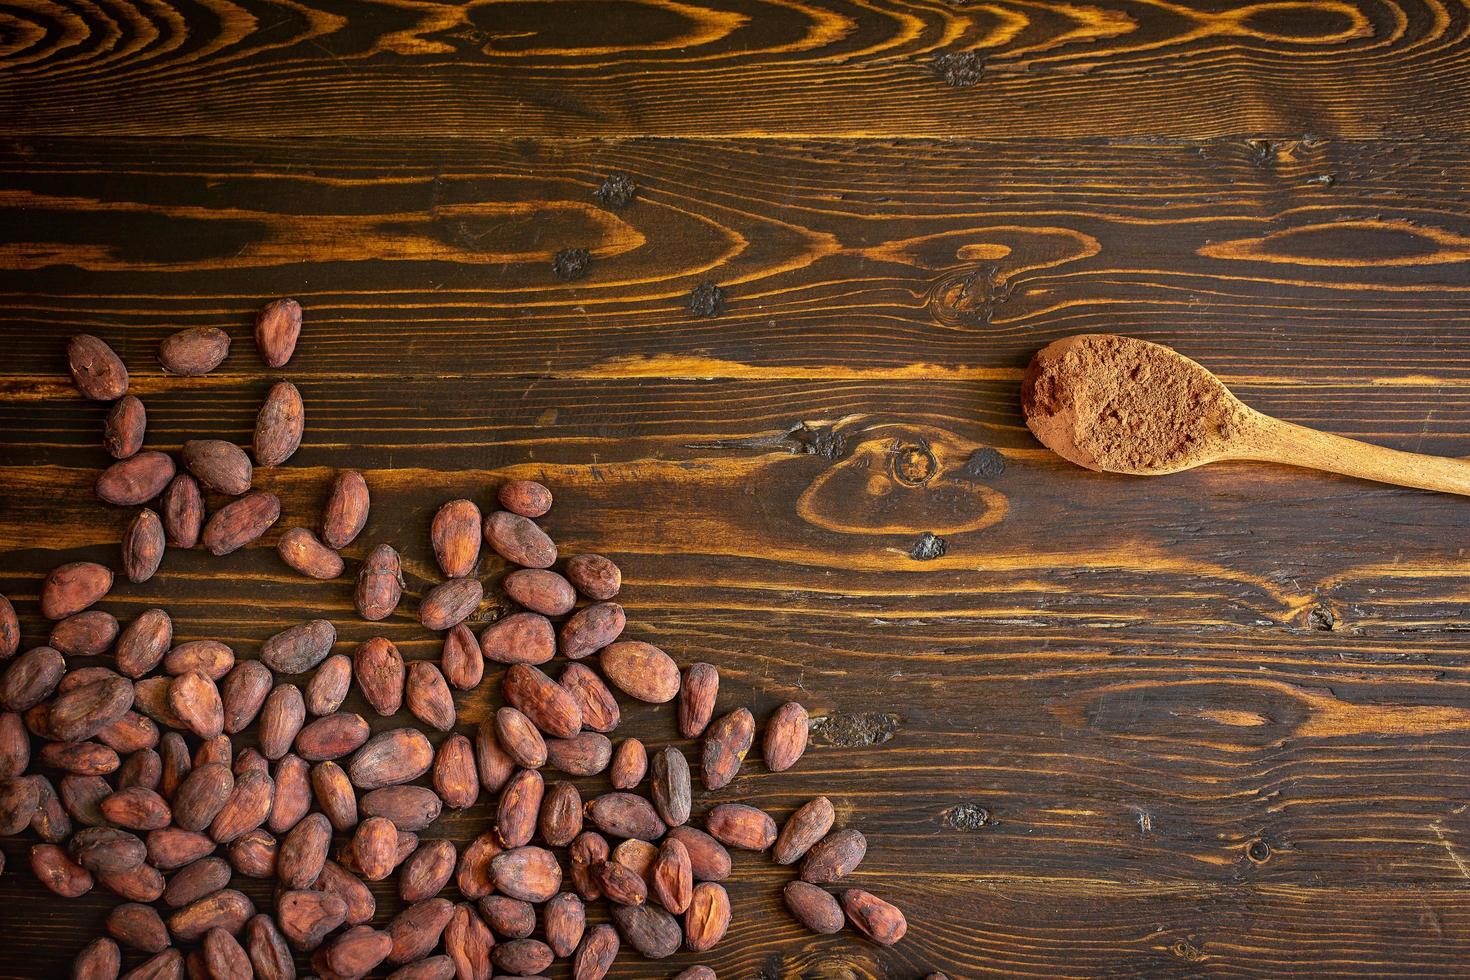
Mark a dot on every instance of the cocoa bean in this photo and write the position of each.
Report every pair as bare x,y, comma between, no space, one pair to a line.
15,746
586,851
328,686
142,645
142,546
629,764
591,629
561,814
96,369
379,669
167,965
277,328
196,701
58,872
640,670
135,480
332,737
136,808
86,634
210,657
300,648
80,677
141,884
70,588
218,464
786,735
253,854
455,535
173,847
337,880
193,881
9,629
620,884
293,794
357,951
494,763
139,926
742,826
150,696
303,852
450,603
281,718
595,576
31,678
813,907
81,713
243,693
585,754
416,930
520,638
524,497
201,796
509,918
346,511
334,794
250,760
518,540
454,775
379,584
301,549
565,920
673,876
468,942
708,917
473,876
834,856
225,958
173,754
696,973
540,591
600,711
50,821
270,957
870,915
637,856
531,874
410,808
725,746
625,815
306,917
520,802
549,706
240,522
194,351
430,968
522,957
670,785
461,660
182,511
427,696
247,808
519,738
596,953
279,425
426,871
707,856
99,960
397,756
648,929
131,732
375,846
802,829
127,422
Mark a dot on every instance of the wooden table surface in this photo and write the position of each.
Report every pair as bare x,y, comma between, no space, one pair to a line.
1213,724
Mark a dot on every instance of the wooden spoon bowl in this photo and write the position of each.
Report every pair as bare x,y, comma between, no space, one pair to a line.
1120,405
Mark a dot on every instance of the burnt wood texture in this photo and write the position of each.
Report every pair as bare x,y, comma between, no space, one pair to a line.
1211,724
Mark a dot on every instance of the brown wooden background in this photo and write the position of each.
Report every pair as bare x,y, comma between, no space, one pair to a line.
1215,724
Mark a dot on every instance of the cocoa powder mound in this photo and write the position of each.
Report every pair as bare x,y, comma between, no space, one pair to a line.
1125,406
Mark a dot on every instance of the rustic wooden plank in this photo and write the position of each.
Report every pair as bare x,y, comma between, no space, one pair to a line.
1276,263
737,67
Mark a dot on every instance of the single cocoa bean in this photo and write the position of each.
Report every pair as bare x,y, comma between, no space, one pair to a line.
173,847
327,688
379,584
629,764
194,351
625,815
671,786
595,576
591,629
400,755
531,874
454,775
31,678
600,711
357,951
649,929
196,701
416,930
565,920
277,328
870,915
9,629
468,942
346,511
122,435
300,648
619,883
211,658
15,746
70,588
167,965
141,646
270,957
193,881
520,638
640,670
101,959
696,973
524,497
150,696
130,733
455,535
540,591
410,808
461,660
549,706
708,918
139,926
243,693
673,876
742,826
786,735
637,856
518,540
813,907
519,738
337,880
334,794
802,829
142,546
136,808
135,480
450,603
522,957
218,464
292,801
493,762
509,918
303,852
81,713
182,511
375,847
834,856
173,754
380,670
427,871
279,425
707,856
87,634
301,549
306,917
103,850
725,746
58,872
141,884
430,968
240,522
96,369
281,718
561,814
520,802
225,958
596,953
586,851
247,808
473,876
428,697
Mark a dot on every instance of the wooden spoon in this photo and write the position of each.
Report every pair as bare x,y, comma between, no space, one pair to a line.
1120,405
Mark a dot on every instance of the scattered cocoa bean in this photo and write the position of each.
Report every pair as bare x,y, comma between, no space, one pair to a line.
461,660
619,883
740,825
270,957
136,808
549,706
379,584
671,786
831,858
518,540
306,917
510,918
524,497
530,873
600,711
494,763
640,670
61,875
561,814
135,480
182,511
139,926
707,856
87,634
427,871
242,693
327,688
786,735
282,717
629,764
300,648
174,847
292,801
870,915
416,930
596,953
813,907
455,535
626,815
277,328
595,576
31,678
81,713
167,965
474,877
802,829
520,739
468,942
673,876
127,421
247,808
521,638
240,522
193,881
520,803
346,512
337,880
218,464
708,917
211,658
454,775
375,847
379,669
725,745
303,852
101,959
410,808
586,852
68,589
194,351
226,909
196,701
400,755
649,929
96,369
279,425
591,629
522,957
225,958
565,920
357,951
301,549
450,603
540,591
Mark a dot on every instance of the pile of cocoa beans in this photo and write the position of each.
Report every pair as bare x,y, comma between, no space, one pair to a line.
118,747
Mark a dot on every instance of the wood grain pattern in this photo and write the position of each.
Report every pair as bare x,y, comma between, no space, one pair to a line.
1035,68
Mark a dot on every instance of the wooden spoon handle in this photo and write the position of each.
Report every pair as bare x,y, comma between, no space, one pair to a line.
1296,445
